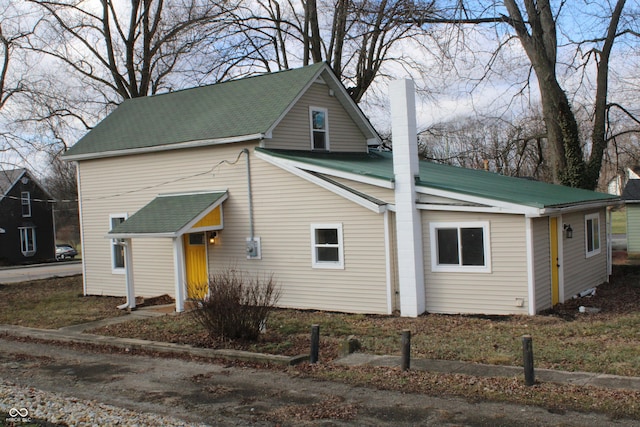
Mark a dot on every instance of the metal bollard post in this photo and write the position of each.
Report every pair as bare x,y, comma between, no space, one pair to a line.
527,352
406,350
315,343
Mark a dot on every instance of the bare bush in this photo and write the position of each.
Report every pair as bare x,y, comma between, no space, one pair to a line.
236,305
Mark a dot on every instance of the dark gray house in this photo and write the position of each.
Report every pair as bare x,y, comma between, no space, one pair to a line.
27,230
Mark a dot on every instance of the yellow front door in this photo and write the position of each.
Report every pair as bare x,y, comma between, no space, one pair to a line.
555,261
195,261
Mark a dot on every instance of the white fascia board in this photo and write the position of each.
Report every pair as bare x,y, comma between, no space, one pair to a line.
280,162
463,208
166,147
580,207
505,207
291,168
136,235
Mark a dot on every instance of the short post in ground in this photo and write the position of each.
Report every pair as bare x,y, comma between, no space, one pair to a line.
406,350
527,352
315,343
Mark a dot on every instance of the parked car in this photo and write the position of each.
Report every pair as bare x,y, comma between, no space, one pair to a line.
65,252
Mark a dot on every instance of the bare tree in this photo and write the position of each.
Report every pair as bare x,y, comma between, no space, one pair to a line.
535,25
124,51
356,37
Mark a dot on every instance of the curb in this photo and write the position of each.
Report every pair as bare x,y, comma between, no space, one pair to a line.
160,347
73,334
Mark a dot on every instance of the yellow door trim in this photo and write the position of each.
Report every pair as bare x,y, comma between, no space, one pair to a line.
195,264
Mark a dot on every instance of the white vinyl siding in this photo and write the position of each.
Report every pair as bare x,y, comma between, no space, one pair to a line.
498,292
582,273
542,262
284,208
293,132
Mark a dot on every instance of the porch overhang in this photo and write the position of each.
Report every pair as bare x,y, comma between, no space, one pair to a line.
170,215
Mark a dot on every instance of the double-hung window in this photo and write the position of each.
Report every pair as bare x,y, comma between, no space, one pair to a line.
27,241
326,246
592,234
117,250
25,200
319,129
462,247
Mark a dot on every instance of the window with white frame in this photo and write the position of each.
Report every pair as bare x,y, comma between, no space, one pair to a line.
327,246
117,250
25,200
462,247
27,241
319,128
592,234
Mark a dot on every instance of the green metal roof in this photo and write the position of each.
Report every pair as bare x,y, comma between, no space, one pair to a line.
168,214
230,109
471,182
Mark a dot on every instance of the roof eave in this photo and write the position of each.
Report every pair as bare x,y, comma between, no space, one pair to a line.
166,147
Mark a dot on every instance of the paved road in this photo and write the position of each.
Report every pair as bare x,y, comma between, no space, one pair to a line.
233,396
40,271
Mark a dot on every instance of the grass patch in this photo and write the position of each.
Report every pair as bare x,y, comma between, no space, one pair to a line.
53,303
619,221
563,339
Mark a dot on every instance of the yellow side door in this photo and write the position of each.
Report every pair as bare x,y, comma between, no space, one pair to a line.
195,262
555,261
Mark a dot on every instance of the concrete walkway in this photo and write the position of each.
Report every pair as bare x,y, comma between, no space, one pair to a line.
76,334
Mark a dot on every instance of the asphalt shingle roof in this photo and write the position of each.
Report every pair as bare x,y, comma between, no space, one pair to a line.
631,191
454,179
8,178
167,214
224,110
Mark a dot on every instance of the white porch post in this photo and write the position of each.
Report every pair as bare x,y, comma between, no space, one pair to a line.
179,278
408,222
128,264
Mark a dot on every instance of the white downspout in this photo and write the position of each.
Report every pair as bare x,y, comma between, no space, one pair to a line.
408,220
128,269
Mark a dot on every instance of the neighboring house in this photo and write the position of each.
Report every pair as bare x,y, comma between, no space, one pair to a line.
631,197
27,232
273,174
619,182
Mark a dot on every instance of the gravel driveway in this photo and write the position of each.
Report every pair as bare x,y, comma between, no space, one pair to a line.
73,386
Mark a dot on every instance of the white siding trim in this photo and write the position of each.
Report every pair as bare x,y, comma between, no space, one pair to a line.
559,231
595,251
387,256
179,273
338,265
291,168
82,229
112,243
167,147
505,206
486,242
282,163
462,208
530,265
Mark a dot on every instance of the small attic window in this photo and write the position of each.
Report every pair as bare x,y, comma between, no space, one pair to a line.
319,128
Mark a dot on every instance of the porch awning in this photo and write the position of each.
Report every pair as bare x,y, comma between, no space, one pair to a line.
169,215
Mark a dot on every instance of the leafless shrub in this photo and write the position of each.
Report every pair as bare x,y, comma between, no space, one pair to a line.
236,305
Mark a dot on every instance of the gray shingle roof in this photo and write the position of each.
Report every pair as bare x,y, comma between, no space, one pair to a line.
235,108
